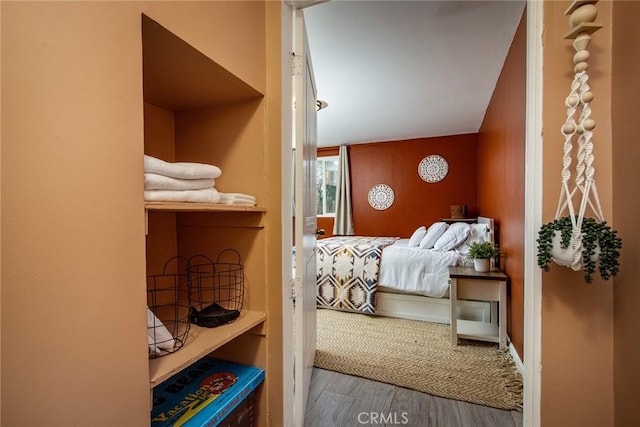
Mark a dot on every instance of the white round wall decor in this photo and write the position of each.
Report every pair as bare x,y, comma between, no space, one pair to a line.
433,168
381,197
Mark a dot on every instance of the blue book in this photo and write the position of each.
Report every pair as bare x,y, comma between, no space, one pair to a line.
203,394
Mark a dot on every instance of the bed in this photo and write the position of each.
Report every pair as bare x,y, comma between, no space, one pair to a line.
394,277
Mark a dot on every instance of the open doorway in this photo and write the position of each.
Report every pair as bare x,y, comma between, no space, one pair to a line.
530,218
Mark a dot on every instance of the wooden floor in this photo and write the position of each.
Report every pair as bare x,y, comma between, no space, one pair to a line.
341,400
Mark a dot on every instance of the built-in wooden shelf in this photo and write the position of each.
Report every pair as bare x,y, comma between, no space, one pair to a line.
200,342
195,92
226,215
200,207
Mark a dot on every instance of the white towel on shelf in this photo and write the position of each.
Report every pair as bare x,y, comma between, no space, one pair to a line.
237,202
153,181
208,195
237,199
159,337
184,170
239,196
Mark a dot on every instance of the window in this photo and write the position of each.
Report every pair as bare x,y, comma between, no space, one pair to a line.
327,182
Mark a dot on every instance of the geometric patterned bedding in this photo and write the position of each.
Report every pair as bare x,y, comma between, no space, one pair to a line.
347,271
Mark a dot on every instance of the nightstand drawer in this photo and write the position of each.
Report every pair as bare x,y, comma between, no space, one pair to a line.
485,290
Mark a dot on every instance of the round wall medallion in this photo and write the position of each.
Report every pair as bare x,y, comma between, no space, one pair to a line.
433,168
381,197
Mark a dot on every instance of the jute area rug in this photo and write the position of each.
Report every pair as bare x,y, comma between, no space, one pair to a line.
417,355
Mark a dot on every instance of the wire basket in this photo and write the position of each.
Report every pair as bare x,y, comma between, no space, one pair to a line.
168,308
216,289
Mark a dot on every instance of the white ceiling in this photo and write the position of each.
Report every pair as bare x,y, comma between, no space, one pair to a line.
393,70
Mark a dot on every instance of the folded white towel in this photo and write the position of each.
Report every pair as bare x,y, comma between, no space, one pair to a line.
238,196
237,199
158,336
153,181
231,201
184,170
236,202
208,195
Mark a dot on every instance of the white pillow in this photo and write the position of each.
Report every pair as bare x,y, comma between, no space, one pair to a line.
417,236
434,232
454,236
478,233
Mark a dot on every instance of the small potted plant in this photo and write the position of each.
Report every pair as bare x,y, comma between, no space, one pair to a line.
600,247
481,254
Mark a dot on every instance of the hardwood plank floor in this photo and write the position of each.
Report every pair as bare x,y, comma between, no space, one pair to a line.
339,400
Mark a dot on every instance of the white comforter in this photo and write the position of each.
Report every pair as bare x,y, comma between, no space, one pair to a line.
422,271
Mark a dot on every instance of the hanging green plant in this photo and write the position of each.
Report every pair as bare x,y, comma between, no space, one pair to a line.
600,246
575,240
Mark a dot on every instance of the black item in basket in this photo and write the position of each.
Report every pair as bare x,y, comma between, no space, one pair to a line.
216,289
212,316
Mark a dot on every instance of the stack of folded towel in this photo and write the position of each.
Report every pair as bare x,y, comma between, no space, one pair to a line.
180,181
186,182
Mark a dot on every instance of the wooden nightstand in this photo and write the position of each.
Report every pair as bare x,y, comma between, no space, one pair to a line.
468,284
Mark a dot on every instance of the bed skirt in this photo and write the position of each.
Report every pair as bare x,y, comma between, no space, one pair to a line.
418,307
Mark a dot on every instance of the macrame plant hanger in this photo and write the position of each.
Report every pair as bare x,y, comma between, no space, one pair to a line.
582,14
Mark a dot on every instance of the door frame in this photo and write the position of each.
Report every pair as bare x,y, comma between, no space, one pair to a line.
288,10
533,212
287,15
306,140
533,215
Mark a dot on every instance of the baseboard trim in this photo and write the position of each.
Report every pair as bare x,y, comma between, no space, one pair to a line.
516,357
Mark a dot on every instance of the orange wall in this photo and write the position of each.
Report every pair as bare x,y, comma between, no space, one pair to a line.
626,205
577,319
325,223
73,264
416,201
73,228
501,143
